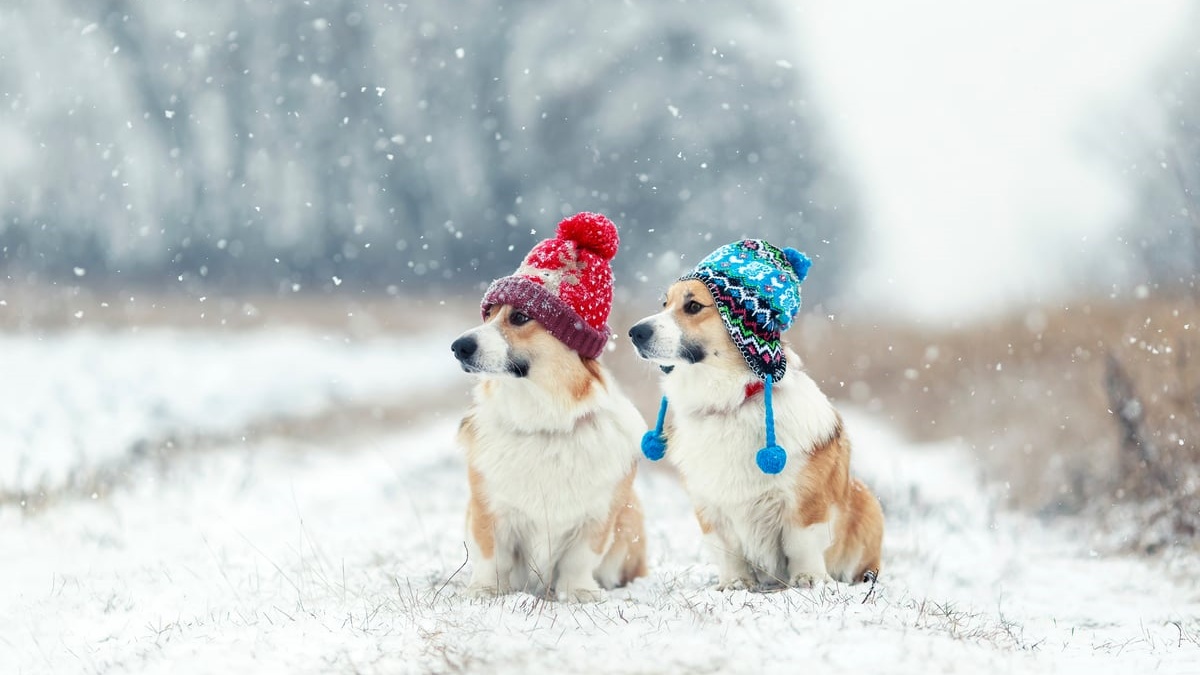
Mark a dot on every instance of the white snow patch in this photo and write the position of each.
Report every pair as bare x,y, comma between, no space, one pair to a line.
74,401
288,557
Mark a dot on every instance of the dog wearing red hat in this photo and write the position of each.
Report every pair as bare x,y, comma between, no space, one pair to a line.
551,443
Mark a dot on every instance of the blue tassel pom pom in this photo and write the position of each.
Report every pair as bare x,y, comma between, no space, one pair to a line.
653,446
770,459
799,261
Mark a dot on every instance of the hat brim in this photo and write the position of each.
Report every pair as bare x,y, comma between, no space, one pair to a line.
550,311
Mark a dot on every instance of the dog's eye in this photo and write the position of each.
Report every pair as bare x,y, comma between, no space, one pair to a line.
692,307
518,318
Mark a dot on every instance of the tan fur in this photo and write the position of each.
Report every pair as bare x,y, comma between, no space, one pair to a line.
621,501
562,368
582,387
566,369
705,327
480,521
859,535
824,483
625,528
824,480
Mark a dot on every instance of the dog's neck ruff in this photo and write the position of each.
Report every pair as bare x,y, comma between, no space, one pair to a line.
770,458
510,400
700,389
751,390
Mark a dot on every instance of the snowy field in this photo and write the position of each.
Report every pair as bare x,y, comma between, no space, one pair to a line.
288,555
75,402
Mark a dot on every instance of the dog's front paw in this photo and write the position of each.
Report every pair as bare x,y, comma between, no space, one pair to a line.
582,595
736,584
803,580
806,580
484,591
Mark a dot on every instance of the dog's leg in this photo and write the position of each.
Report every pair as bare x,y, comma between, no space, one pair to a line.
733,571
491,560
625,559
805,547
487,580
536,564
608,570
576,581
623,544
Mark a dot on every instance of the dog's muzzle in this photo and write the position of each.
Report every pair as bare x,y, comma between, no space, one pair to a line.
464,348
641,334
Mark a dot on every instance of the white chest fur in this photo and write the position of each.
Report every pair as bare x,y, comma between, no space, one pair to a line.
717,431
548,466
713,442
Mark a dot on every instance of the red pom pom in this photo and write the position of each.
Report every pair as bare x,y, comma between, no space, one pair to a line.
591,231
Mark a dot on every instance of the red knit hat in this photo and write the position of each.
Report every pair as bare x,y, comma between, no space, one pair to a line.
565,283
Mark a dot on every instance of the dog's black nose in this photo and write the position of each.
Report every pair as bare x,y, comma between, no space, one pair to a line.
464,347
641,333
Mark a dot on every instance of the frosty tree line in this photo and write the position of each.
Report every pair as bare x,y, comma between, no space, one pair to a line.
263,144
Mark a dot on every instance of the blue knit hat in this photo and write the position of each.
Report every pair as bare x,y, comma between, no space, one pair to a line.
756,287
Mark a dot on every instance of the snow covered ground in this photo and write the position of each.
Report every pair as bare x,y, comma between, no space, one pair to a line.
74,401
290,555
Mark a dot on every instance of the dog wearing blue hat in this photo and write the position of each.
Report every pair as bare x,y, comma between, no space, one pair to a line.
760,449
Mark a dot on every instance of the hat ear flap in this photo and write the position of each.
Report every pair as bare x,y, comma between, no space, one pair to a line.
800,262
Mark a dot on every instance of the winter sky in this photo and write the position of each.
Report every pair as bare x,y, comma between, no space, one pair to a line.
976,133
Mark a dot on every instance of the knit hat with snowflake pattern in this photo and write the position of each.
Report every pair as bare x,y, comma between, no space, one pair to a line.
756,287
565,283
757,290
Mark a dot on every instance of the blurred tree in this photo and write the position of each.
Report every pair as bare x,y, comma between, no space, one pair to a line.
1163,234
280,145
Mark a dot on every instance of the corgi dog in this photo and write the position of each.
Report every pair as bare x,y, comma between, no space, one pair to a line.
551,447
794,524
